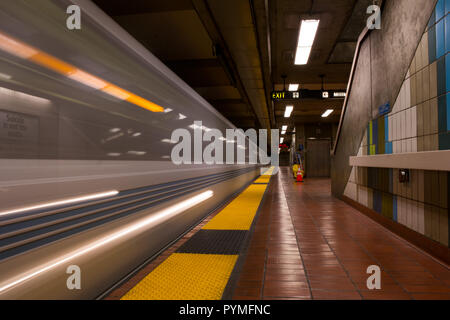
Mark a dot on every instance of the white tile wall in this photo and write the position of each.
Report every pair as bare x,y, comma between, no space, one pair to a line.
414,220
408,120
363,196
350,191
408,92
414,121
420,218
400,208
402,125
414,145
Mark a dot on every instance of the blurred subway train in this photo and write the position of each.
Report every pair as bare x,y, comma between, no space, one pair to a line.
86,177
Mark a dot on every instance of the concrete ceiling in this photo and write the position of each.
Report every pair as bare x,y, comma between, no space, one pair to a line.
341,22
210,44
234,52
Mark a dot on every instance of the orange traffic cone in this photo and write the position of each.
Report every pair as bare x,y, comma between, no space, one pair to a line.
299,175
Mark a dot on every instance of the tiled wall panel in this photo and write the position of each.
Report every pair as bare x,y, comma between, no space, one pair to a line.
419,120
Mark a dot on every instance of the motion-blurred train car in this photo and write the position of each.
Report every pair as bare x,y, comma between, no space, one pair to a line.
86,177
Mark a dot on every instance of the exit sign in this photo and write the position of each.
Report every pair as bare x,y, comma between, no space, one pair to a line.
285,95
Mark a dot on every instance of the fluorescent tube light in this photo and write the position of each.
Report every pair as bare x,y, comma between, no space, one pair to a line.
284,128
327,113
281,140
293,87
307,34
288,111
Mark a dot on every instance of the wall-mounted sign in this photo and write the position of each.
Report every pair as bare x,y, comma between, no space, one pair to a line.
383,109
339,94
18,127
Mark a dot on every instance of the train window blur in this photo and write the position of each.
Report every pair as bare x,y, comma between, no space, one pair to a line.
46,115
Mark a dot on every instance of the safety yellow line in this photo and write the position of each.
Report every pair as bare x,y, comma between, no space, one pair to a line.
186,276
239,214
189,276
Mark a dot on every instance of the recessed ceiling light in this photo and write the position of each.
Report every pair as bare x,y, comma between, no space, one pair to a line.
293,87
283,132
288,111
327,113
284,128
307,34
281,140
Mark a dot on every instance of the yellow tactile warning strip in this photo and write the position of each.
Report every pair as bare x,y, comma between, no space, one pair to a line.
239,214
203,276
186,276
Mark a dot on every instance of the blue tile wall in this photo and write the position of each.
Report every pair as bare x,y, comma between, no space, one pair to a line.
447,72
444,141
441,77
440,9
432,44
442,114
377,201
440,39
448,111
386,129
447,34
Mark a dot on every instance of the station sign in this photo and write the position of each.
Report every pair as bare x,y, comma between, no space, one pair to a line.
307,94
285,95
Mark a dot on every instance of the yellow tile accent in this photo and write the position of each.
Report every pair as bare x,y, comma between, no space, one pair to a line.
239,214
186,276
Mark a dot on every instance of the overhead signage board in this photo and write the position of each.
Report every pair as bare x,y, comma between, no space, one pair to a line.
285,95
307,94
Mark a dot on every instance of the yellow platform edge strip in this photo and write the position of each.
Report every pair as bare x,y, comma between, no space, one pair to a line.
188,276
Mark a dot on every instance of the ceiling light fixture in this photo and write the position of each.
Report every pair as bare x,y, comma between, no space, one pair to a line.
327,113
293,87
307,34
288,111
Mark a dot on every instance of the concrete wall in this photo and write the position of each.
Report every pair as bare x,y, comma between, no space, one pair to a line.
384,60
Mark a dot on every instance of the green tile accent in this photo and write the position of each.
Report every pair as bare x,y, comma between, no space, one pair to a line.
442,114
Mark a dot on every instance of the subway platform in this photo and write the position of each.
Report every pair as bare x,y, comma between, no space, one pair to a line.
283,240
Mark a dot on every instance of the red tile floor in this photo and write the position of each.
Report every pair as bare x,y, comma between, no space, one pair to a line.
310,245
